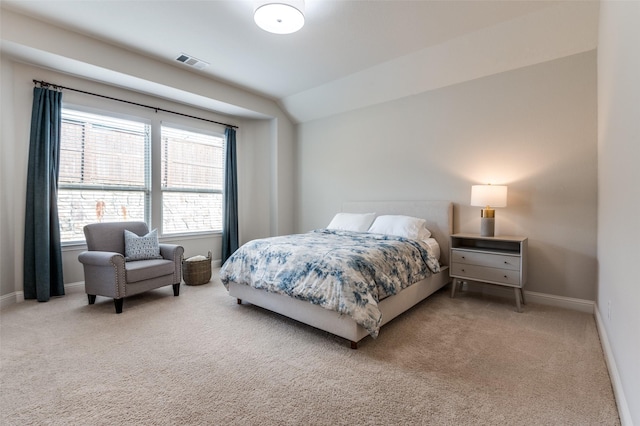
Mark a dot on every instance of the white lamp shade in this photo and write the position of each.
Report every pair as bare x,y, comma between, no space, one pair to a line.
279,17
489,195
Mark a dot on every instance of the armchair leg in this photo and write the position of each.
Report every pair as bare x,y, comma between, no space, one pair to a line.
118,303
176,289
92,298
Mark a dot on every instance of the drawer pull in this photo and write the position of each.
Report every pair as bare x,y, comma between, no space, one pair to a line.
505,276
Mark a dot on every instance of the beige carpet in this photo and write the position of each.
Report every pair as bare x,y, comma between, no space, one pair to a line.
202,359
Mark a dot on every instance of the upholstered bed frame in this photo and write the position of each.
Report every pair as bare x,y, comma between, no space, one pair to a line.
439,216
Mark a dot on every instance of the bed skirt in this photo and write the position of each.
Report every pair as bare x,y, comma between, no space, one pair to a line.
333,322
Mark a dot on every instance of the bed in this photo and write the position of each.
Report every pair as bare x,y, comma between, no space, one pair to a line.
439,221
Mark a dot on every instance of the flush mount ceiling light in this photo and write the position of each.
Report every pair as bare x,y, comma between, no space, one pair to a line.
281,17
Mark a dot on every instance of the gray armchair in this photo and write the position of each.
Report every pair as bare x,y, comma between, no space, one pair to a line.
106,273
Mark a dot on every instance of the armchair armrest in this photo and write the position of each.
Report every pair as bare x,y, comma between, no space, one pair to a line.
101,258
170,251
104,273
174,253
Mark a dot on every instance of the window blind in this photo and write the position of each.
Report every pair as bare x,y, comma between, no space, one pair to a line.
192,180
104,171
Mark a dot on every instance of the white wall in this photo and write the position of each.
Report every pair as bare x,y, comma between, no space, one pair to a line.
255,181
619,198
533,129
8,231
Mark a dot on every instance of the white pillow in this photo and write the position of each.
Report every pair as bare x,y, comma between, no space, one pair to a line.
433,248
358,222
141,247
424,232
401,226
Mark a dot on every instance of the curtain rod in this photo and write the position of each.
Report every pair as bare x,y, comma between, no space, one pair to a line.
45,85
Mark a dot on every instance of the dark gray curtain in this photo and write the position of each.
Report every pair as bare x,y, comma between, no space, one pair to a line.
230,202
42,251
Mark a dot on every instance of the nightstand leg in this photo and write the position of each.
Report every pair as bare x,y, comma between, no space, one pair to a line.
517,291
522,296
454,284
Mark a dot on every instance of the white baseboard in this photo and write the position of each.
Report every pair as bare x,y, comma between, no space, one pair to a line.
77,287
69,288
618,390
11,298
581,305
18,296
544,299
572,303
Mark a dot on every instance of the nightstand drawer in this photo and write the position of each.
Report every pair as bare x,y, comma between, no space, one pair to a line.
486,259
483,273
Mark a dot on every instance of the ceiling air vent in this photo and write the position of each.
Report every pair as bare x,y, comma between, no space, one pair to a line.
191,61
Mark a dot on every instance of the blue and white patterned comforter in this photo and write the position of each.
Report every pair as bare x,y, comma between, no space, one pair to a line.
347,272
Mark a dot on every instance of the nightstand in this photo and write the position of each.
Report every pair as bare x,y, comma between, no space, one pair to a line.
495,260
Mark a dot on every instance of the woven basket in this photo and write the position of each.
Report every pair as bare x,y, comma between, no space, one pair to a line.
197,272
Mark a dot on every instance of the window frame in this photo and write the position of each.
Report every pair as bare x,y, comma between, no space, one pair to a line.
147,188
155,119
191,127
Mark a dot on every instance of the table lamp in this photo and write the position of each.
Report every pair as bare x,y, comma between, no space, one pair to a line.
488,196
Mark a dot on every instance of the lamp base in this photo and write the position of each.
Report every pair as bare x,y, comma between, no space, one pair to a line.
487,226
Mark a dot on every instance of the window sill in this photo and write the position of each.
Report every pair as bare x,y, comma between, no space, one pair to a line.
81,245
192,236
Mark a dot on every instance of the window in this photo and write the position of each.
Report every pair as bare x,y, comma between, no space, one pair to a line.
114,169
192,179
104,171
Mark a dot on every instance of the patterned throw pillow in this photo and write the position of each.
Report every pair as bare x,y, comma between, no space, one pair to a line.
141,248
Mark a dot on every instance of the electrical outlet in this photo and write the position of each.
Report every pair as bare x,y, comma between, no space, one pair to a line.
609,310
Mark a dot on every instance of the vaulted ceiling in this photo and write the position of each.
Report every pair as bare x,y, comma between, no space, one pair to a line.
348,55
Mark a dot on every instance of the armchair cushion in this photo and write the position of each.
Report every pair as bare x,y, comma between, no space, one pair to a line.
141,247
148,269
